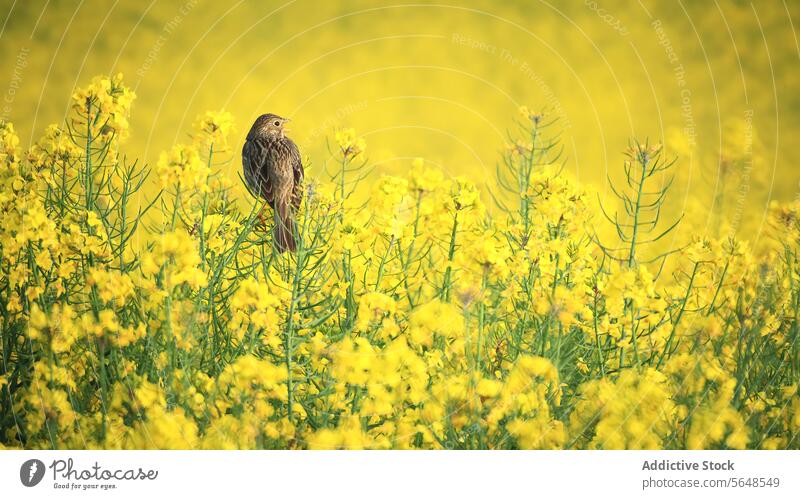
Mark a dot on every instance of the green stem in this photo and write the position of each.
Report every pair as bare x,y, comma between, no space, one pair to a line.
637,209
450,255
679,317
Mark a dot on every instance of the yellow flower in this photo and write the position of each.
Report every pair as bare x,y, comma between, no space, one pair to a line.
350,146
256,307
175,254
372,308
213,129
182,167
526,114
634,411
349,435
434,318
104,106
55,150
424,179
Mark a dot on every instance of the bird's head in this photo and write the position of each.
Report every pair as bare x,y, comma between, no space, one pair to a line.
270,124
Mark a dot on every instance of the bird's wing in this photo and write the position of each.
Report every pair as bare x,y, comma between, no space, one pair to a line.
299,173
254,162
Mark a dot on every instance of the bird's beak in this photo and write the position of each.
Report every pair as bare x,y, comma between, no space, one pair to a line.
285,129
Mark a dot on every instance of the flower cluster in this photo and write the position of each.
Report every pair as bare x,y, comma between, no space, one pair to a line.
350,145
102,108
214,128
415,319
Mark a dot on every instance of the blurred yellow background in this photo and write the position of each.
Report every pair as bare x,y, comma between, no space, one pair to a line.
716,81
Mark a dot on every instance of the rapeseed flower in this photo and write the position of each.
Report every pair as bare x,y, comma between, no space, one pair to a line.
419,319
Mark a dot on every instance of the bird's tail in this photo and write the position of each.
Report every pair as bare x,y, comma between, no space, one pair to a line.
284,229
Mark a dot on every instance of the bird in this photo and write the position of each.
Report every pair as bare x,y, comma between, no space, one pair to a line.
273,170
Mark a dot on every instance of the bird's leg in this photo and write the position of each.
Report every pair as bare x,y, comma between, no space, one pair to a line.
261,217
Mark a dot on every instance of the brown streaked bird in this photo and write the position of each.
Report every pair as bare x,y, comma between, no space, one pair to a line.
273,170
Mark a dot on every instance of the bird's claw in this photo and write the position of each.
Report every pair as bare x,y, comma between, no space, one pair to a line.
262,221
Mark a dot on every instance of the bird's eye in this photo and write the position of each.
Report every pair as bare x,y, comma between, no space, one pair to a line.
277,123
